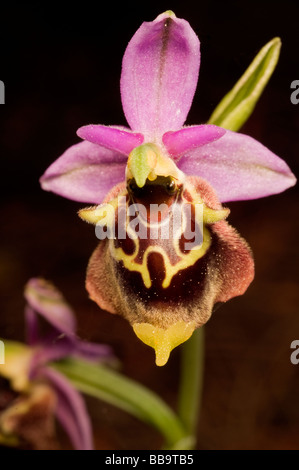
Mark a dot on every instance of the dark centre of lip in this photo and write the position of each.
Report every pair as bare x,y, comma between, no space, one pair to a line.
163,190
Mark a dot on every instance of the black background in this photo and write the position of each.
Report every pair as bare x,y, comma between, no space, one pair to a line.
61,66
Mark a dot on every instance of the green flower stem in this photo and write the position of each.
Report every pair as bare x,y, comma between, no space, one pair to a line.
191,382
112,387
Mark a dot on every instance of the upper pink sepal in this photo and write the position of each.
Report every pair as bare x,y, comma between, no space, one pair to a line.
159,75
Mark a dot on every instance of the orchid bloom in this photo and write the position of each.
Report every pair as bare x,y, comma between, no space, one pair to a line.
163,288
28,368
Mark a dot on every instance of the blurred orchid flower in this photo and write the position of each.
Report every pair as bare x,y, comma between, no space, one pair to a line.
44,392
161,287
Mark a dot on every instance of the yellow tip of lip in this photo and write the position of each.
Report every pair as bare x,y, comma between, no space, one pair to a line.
163,340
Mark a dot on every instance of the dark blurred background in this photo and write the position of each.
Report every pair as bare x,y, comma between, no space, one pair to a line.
61,68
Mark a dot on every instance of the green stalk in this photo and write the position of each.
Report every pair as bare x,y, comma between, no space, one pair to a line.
191,383
112,387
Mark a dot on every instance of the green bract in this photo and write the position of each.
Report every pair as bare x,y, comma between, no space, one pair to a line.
236,107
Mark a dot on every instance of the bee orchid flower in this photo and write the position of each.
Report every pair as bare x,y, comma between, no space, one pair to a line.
164,287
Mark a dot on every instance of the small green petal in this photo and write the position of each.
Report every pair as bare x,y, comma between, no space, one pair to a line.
141,162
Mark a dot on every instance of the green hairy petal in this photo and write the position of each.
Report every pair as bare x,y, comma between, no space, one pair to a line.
139,164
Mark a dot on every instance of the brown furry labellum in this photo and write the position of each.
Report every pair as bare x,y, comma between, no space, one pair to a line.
166,286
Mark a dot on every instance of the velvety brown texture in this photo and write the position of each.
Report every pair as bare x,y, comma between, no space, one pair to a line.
225,271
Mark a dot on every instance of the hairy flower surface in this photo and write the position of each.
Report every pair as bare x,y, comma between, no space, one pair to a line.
162,286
